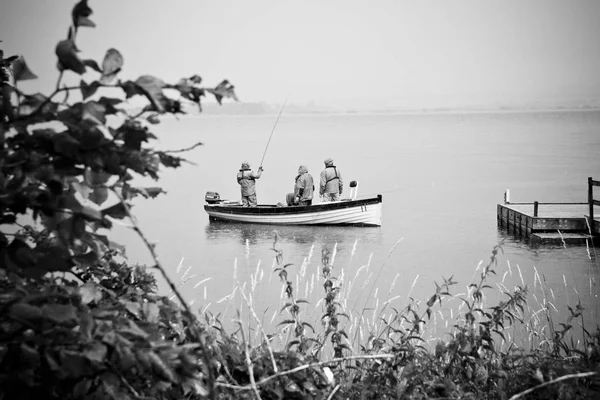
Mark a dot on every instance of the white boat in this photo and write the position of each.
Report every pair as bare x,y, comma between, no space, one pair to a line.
348,212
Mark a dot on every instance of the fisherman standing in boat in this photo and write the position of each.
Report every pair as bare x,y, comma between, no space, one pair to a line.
303,189
246,178
331,186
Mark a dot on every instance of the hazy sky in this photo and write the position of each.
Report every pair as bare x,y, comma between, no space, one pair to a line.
350,51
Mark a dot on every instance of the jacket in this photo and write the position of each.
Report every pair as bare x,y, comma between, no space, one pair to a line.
246,180
331,180
304,187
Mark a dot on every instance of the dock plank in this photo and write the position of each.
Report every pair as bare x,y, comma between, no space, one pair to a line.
552,210
556,238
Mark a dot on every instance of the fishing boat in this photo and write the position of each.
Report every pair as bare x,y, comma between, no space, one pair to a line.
350,211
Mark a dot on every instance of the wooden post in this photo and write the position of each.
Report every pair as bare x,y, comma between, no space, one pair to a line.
535,208
591,200
514,222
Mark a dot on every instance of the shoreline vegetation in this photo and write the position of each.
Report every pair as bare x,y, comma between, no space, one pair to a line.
78,320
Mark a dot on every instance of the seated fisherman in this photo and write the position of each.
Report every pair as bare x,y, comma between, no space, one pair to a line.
303,189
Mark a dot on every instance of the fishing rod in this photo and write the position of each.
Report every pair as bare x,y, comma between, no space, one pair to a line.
273,130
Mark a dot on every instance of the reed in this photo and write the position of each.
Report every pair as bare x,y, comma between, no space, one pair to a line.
496,328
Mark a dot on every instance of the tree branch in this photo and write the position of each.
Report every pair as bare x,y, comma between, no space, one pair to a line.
184,304
57,91
183,150
249,362
562,378
306,366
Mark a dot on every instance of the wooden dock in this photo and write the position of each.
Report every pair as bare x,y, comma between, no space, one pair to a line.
552,223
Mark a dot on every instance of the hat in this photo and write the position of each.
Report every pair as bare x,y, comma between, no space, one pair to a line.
302,169
245,165
328,161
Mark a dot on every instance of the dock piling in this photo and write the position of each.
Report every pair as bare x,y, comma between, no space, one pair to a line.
591,199
536,205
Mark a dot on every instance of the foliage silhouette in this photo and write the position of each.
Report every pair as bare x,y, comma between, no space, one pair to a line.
78,321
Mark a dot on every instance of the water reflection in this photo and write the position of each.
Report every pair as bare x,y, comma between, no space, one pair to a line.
302,235
521,247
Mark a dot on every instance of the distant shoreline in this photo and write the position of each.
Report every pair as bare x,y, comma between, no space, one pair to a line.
228,113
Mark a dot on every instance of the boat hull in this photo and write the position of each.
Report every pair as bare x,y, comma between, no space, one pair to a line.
361,212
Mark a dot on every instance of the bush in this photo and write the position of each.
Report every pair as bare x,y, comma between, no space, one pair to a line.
78,321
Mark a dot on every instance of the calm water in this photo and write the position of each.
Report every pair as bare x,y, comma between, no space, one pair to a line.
441,177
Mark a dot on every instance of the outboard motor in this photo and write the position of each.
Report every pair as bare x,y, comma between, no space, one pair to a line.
212,198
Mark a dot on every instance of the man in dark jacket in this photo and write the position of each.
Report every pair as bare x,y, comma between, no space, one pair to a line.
331,186
246,178
303,189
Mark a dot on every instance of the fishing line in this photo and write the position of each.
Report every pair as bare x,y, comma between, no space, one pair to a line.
273,130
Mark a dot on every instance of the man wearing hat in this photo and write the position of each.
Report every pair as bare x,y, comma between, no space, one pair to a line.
303,189
246,178
331,186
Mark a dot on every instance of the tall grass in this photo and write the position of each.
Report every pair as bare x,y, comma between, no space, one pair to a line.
474,336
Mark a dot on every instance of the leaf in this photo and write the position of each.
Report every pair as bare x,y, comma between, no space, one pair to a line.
24,312
152,88
109,104
72,203
86,260
132,89
134,330
96,352
94,178
431,300
60,313
160,368
309,325
118,247
21,71
188,89
57,258
8,60
80,13
152,312
65,144
126,357
99,195
194,386
117,211
73,364
81,388
66,51
88,90
153,119
111,65
196,79
133,138
287,321
86,324
223,90
132,306
147,192
92,64
94,111
8,219
30,103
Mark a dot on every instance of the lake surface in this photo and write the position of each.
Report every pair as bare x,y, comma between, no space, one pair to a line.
441,177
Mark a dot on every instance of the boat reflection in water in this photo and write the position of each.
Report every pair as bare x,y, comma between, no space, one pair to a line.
220,231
